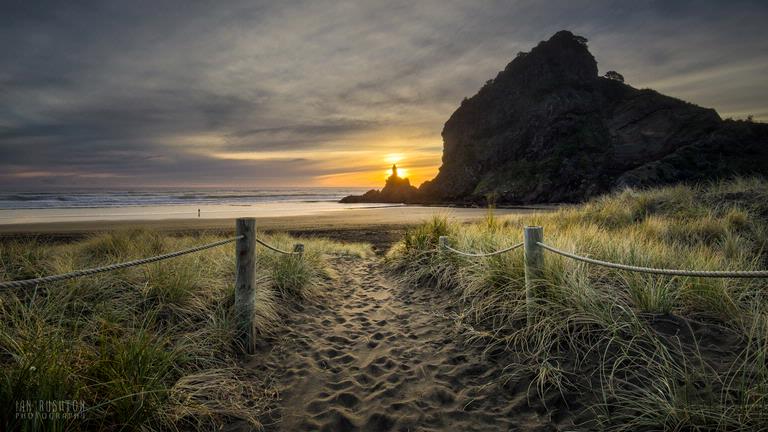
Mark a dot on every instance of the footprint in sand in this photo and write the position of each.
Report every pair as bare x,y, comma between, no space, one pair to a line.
377,358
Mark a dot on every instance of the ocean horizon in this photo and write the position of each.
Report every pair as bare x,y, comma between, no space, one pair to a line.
113,197
158,204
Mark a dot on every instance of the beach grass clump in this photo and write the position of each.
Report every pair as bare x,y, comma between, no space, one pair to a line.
136,366
620,350
19,261
295,276
144,348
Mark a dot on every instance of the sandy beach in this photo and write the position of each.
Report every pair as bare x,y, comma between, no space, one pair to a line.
380,226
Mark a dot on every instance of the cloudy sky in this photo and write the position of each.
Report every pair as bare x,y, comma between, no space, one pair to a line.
325,93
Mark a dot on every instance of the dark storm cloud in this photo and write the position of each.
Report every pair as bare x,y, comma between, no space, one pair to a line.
155,92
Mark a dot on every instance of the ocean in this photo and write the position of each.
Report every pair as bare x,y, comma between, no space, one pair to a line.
169,197
85,205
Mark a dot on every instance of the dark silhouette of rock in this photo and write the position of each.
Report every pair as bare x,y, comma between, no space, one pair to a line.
396,190
549,129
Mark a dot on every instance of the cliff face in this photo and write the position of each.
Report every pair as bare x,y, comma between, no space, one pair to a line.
549,129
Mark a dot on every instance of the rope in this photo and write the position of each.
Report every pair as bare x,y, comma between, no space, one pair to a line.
469,254
670,272
86,272
268,246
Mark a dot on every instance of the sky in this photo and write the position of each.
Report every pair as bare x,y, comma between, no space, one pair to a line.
316,93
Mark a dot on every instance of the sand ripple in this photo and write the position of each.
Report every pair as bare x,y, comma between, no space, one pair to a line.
374,357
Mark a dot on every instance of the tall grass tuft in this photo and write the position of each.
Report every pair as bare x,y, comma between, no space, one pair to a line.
144,348
622,351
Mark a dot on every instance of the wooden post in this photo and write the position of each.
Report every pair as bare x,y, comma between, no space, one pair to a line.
298,248
245,281
534,267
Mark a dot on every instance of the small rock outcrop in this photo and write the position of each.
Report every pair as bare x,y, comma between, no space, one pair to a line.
396,190
549,129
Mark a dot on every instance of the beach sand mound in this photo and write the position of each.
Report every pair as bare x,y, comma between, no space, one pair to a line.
376,357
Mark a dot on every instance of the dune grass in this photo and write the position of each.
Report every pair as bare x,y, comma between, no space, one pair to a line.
145,348
624,351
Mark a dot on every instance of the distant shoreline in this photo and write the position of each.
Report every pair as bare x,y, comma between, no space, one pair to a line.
379,226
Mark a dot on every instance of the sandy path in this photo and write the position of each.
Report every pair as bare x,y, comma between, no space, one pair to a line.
375,357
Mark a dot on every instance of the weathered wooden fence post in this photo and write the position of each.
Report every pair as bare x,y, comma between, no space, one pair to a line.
534,267
245,281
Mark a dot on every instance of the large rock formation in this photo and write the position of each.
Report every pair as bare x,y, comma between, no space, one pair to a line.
549,129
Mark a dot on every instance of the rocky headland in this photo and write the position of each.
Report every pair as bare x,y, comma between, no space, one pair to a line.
549,128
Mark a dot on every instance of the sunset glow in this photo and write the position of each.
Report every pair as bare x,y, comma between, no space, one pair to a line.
360,159
376,178
308,94
401,172
394,158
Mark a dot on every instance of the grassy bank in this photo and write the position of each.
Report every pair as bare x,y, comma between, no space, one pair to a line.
623,351
148,347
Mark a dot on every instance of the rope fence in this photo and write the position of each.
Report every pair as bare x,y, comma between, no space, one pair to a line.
86,272
245,274
25,283
659,271
245,252
444,244
534,246
298,249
